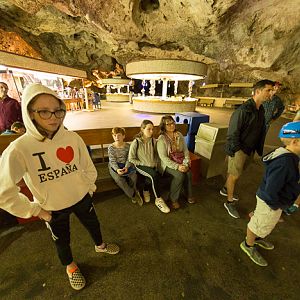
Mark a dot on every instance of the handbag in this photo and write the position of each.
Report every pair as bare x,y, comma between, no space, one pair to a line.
178,157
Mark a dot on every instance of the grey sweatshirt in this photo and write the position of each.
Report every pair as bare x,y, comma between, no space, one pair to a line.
143,153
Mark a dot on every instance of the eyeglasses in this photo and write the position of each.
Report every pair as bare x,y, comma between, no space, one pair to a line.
47,114
171,123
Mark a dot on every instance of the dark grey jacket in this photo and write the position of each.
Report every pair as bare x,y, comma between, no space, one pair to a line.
246,130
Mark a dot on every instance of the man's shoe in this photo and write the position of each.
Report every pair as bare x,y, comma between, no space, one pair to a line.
264,244
232,210
162,206
223,192
146,195
254,255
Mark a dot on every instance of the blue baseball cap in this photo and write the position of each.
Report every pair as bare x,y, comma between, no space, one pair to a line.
290,130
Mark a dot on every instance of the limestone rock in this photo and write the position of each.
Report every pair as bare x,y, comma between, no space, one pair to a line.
241,40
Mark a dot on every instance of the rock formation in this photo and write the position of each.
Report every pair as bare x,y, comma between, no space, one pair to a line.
242,40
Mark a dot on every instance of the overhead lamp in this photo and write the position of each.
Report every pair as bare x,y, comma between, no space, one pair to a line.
171,69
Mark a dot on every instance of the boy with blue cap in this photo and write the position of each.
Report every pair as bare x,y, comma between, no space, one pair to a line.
279,189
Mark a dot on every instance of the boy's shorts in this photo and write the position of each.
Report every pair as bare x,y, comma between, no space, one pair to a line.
238,163
264,219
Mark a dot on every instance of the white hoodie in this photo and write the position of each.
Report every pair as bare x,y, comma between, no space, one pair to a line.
59,171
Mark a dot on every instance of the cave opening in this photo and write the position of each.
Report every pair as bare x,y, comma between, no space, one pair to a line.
148,6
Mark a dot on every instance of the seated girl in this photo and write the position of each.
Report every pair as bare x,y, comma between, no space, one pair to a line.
120,169
143,155
175,160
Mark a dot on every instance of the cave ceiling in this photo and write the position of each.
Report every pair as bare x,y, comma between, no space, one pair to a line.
241,40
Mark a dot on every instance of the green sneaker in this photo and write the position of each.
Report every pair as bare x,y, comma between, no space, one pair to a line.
264,244
254,255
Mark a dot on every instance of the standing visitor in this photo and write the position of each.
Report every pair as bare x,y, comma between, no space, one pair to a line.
10,109
59,172
273,107
246,134
279,190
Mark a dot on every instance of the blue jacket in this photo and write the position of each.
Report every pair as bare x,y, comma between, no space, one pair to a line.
280,186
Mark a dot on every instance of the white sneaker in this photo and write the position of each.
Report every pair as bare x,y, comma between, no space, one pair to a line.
146,195
162,206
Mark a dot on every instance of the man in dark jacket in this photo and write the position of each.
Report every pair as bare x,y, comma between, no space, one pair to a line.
246,134
10,109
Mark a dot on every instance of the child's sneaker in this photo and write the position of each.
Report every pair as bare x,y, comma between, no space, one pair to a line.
109,249
292,209
162,206
264,244
138,199
77,280
254,255
223,192
146,195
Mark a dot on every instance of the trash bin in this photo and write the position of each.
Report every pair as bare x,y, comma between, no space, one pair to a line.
194,119
209,144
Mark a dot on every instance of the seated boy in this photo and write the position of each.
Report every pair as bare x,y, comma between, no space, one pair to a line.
279,190
120,169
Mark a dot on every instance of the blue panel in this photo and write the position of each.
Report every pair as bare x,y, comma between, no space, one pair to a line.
194,120
190,142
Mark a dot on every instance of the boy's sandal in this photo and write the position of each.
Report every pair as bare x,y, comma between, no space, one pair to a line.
77,280
109,249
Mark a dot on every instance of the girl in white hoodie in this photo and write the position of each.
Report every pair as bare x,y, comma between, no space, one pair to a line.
57,169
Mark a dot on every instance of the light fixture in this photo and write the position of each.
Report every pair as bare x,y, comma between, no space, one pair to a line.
166,70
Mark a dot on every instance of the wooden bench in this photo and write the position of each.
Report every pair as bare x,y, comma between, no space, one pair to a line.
97,137
233,103
206,102
100,137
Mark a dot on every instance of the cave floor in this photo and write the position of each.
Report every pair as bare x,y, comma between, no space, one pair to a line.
192,253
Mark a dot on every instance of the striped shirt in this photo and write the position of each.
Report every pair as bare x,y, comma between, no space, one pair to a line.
118,155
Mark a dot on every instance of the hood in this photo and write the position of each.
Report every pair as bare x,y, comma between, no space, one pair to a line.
29,93
276,153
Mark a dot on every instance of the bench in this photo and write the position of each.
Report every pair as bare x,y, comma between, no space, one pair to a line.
233,103
100,137
206,102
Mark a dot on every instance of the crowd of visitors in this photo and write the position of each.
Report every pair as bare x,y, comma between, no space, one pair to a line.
51,158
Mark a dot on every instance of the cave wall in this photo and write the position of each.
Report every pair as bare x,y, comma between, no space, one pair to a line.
241,40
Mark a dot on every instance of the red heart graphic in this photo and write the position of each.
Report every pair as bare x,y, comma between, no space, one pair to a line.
65,155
